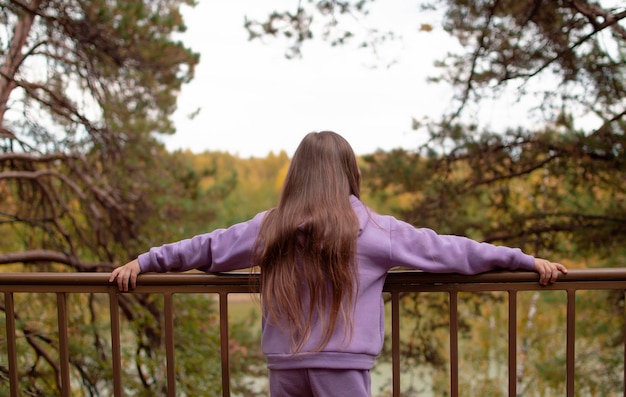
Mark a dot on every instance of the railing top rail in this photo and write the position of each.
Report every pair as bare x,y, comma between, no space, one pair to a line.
396,277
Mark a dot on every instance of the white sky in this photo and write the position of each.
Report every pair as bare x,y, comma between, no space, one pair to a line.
254,101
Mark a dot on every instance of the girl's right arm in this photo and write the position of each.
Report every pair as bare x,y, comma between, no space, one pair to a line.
424,249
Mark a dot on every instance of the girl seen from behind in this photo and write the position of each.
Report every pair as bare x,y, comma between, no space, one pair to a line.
323,258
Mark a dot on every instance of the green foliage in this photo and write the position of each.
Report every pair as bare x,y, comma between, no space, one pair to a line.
250,185
197,345
77,135
85,87
506,189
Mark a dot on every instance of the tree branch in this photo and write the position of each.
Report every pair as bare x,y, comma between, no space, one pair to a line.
41,173
475,56
510,175
35,256
596,29
593,11
10,156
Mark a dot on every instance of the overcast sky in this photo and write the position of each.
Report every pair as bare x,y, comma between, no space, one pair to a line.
253,100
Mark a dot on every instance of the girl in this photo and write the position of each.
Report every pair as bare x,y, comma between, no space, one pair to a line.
323,257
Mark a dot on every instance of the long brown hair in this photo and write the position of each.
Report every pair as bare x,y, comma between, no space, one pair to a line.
307,245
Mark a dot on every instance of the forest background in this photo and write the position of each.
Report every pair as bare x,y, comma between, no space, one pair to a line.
87,87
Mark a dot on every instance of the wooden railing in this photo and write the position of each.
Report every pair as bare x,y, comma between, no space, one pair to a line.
397,283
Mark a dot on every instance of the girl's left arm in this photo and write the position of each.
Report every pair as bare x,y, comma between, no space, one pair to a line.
218,251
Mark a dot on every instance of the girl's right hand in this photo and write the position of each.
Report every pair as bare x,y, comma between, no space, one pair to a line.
126,275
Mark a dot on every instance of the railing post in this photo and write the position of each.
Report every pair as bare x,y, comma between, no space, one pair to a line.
454,344
512,343
395,343
64,356
169,344
224,344
9,312
116,350
571,340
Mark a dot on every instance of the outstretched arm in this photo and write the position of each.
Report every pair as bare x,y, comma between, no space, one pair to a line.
548,271
126,275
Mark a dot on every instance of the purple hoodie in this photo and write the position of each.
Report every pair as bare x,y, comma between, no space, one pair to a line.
384,242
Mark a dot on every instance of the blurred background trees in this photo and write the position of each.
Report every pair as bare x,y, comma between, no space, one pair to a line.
86,88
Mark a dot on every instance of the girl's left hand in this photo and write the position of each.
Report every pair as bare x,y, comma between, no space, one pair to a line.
548,271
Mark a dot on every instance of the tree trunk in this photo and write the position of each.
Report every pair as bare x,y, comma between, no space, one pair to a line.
16,56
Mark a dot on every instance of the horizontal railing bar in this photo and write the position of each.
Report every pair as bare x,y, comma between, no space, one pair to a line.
105,289
238,289
403,278
509,286
226,283
100,279
573,275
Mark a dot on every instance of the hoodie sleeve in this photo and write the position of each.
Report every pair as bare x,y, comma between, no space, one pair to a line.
218,251
423,249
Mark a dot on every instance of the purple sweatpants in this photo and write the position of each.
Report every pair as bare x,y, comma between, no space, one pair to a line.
318,382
